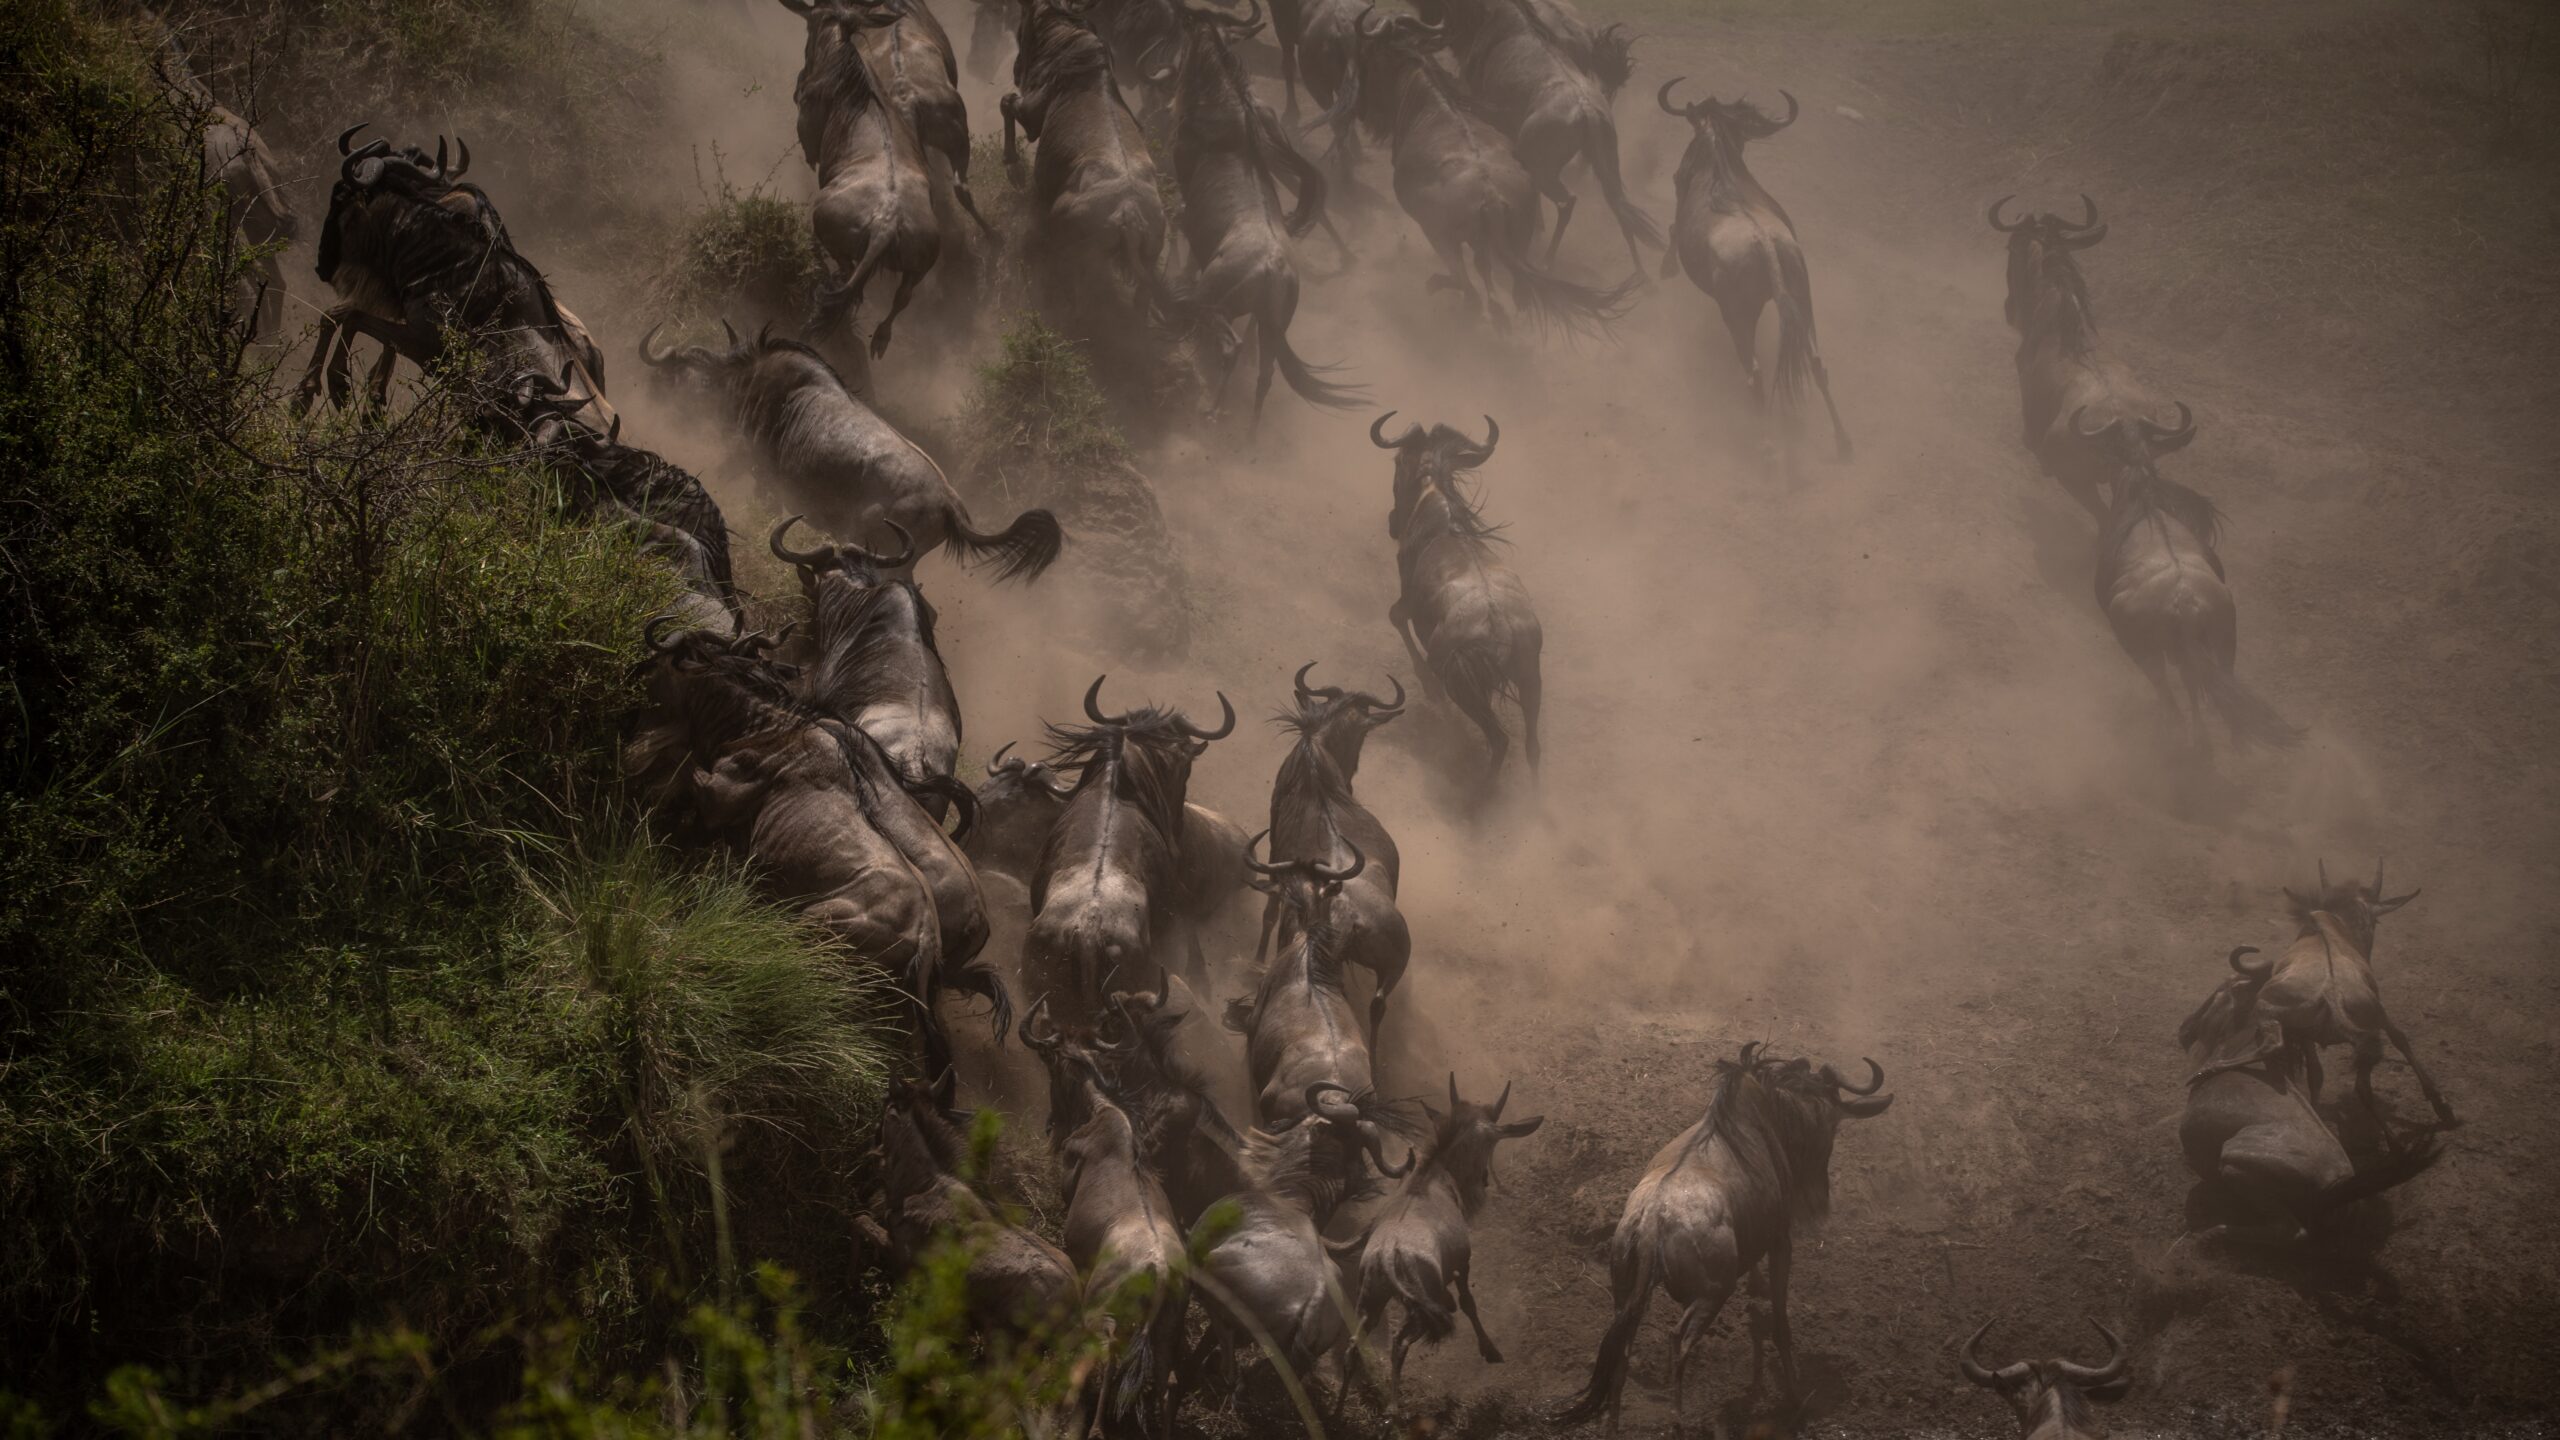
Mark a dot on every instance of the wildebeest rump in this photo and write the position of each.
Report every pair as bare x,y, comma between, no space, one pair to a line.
875,207
837,461
1736,243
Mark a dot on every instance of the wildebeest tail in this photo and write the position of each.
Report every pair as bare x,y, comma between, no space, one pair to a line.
1430,1313
1309,380
1600,147
2395,1169
2252,720
1022,549
980,977
1549,300
1609,1367
837,301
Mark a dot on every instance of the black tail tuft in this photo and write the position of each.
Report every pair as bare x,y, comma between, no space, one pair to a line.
1308,380
1549,301
1608,1370
1022,550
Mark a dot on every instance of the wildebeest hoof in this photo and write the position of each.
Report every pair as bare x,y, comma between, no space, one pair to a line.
880,340
1491,1355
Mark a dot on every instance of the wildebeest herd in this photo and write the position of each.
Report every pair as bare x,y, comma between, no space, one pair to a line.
831,753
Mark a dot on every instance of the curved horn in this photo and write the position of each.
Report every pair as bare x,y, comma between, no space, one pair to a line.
1874,1083
2093,1376
1492,437
735,344
346,137
995,762
1994,217
2259,971
1398,702
1039,1012
649,633
440,157
1791,114
1378,436
2170,437
461,157
1222,732
802,558
906,549
1345,1109
1501,1100
1453,1090
1359,862
1970,1361
651,356
371,149
1662,97
1298,682
1374,1140
2089,218
1256,866
1093,704
1360,23
2084,432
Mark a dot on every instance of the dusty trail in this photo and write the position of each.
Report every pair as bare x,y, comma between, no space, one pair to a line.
1848,762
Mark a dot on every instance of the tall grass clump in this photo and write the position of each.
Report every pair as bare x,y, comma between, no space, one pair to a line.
745,256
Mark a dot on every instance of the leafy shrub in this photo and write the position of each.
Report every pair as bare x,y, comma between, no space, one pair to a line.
746,257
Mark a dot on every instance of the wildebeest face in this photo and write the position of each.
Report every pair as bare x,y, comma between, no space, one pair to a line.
1018,804
697,373
2042,1392
1426,458
1721,125
2031,239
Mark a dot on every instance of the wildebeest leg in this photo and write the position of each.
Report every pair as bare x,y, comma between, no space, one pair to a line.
1456,279
1402,620
378,383
1693,1329
1478,707
1270,918
322,343
2426,1082
2198,734
1405,1336
1532,694
1553,188
1467,1303
1781,1260
1742,324
1267,341
897,305
2155,668
1492,305
2311,1074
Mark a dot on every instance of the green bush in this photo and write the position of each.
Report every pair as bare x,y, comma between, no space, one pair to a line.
746,257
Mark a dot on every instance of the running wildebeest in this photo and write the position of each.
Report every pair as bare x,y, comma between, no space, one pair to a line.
879,668
1315,816
2062,370
1456,176
413,252
1018,1283
658,497
1163,1071
1320,43
1736,243
834,459
2322,990
1549,101
1097,217
1715,1202
1416,1252
875,207
919,75
1301,1034
2251,1131
2161,585
2051,1397
1102,897
1020,801
1230,158
1464,617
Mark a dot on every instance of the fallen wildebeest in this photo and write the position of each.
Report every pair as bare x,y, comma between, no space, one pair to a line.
1018,1283
413,253
1548,99
875,208
1230,159
835,460
1463,615
2062,369
1736,243
1097,216
1717,1201
1416,1252
1456,176
2161,584
1315,816
878,668
1102,896
2251,1130
2051,1397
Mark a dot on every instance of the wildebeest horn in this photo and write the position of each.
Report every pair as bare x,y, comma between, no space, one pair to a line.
731,331
1874,1083
1256,866
802,558
1501,1100
2324,875
1221,733
1974,1370
1298,682
2084,432
346,137
440,157
2096,1375
1395,704
995,762
1039,1013
1492,437
1791,115
1360,23
2380,905
1359,862
372,149
651,356
1374,1140
461,157
649,633
906,548
2081,239
1341,1110
1662,97
2089,218
1378,435
1453,1089
2165,438
2255,972
1093,704
2010,229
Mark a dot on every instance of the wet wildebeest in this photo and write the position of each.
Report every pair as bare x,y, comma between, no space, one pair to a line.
2062,370
1315,816
833,457
1230,159
412,253
1464,617
1301,1034
2051,1397
1097,217
1018,1283
2322,990
2161,584
1549,101
1416,1250
875,207
1020,801
2251,1131
1717,1201
1736,243
1102,897
1456,176
879,668
1120,1228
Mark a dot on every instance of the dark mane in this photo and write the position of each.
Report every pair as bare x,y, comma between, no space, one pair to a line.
1311,762
1773,1139
1463,516
858,617
2061,305
2143,491
1136,756
1066,47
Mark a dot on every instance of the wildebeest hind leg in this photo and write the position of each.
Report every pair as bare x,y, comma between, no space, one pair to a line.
1402,620
2426,1082
1693,1329
1479,708
1781,1260
897,306
1553,188
1532,694
1485,1347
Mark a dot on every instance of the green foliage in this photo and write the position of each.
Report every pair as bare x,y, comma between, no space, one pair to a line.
1036,405
746,256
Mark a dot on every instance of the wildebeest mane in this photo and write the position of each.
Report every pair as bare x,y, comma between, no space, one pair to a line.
857,619
1773,1137
1066,47
1134,755
2060,306
1308,761
2143,492
1464,518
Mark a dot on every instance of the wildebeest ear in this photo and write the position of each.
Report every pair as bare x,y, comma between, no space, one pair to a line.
1517,1128
1864,1107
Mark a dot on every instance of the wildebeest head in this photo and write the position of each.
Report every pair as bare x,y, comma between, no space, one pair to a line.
1409,33
1304,888
2040,250
1342,1129
1018,802
700,372
1462,1140
1723,125
1432,460
863,568
1146,753
2050,1396
2358,907
1779,1116
377,176
1338,720
835,80
1074,1057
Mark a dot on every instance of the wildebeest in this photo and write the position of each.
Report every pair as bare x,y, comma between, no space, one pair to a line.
2051,1397
1230,158
1315,816
1102,896
875,207
1302,1036
413,252
1464,617
1097,218
2251,1131
1715,1202
1456,176
1416,1251
2161,585
1018,1283
256,210
835,460
919,74
878,666
1320,42
1164,1069
1548,100
1120,1227
1736,243
663,500
2062,369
